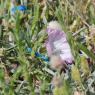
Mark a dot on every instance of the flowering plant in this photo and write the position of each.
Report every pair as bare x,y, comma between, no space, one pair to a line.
34,61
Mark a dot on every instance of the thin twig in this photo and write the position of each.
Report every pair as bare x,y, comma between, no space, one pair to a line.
77,32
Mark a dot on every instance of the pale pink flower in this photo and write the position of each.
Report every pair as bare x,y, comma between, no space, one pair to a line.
57,43
92,31
56,81
55,62
78,93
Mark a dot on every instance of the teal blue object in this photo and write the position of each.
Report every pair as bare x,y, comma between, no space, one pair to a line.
37,54
14,9
29,50
44,58
20,8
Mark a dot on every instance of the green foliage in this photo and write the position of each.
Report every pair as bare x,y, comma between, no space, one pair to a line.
20,71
